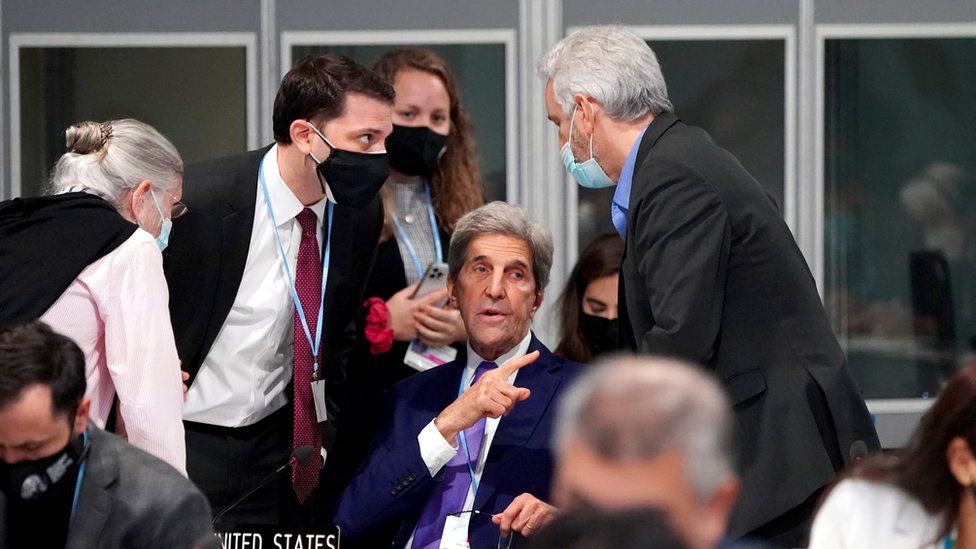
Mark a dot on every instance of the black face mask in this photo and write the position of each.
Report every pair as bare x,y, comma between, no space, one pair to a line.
353,177
40,481
415,151
600,333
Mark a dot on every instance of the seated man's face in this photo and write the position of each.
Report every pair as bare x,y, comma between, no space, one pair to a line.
585,477
30,429
495,291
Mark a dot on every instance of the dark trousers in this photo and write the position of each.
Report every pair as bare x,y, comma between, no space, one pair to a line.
226,462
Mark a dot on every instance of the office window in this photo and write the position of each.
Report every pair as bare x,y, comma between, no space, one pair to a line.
734,89
479,70
899,198
194,96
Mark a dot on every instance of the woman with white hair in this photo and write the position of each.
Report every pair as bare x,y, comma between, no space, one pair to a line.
86,260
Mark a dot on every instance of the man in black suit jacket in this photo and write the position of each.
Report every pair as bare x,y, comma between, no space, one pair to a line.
65,483
293,224
711,273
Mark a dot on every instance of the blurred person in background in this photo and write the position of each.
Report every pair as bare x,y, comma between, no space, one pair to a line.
588,528
63,481
922,497
86,260
645,431
588,304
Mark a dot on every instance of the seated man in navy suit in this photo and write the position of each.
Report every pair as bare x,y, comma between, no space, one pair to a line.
465,453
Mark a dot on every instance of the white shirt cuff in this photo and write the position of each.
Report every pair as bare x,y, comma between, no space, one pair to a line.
434,450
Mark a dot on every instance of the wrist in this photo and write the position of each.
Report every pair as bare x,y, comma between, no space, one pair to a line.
447,429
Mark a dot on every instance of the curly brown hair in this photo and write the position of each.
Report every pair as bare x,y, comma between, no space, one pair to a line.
455,186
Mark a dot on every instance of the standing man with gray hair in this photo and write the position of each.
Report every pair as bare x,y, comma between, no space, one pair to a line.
711,273
648,432
447,468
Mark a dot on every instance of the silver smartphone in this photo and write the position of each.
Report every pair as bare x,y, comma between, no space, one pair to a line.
434,279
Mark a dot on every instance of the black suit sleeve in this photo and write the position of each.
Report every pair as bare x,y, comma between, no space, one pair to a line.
683,240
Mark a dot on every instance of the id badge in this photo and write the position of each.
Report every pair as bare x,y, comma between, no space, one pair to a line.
318,395
455,534
422,358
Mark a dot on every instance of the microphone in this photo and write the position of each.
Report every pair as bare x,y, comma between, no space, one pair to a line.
858,451
298,456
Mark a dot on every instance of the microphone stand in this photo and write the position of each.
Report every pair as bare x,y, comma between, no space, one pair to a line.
264,481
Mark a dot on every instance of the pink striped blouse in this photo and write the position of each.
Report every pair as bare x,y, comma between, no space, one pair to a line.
117,312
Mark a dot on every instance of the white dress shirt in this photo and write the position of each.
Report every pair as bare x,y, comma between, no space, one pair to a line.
436,451
117,312
862,513
243,378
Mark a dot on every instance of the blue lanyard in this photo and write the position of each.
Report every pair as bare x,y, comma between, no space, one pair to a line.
433,229
464,442
81,475
316,344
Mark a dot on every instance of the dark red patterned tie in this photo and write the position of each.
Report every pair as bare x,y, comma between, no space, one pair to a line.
308,284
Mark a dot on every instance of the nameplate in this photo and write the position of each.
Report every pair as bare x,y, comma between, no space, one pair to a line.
272,536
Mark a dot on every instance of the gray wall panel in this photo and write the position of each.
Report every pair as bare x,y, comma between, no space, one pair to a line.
131,16
679,12
396,14
902,11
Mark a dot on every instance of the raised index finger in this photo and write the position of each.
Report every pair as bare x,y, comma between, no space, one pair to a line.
515,364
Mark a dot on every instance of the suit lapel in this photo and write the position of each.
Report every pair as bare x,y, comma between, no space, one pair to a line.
238,219
95,499
341,240
515,429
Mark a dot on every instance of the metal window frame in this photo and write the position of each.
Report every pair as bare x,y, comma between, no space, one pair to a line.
895,419
247,40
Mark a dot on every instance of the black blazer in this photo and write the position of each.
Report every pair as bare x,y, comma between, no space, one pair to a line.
205,261
711,273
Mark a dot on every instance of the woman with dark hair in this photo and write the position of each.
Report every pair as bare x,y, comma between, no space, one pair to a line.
924,496
588,304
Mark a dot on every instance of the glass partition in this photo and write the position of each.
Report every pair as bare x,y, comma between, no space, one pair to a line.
899,197
194,96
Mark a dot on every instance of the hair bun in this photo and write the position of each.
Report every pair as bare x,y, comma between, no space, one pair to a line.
87,137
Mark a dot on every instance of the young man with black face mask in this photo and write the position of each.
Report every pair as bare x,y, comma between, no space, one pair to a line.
66,483
264,282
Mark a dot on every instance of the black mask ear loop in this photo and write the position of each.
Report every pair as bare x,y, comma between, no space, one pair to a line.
317,161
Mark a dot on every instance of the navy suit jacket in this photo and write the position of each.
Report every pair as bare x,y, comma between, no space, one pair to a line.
390,490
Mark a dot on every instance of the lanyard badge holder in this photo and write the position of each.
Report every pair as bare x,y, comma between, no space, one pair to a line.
317,383
419,356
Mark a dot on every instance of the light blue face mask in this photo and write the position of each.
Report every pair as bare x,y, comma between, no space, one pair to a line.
588,174
163,239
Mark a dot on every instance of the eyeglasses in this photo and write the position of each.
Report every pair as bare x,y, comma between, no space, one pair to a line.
504,542
178,209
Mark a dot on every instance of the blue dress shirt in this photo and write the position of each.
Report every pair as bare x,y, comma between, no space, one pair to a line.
621,197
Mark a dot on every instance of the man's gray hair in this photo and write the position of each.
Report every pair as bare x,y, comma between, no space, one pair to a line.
504,219
610,64
631,407
114,156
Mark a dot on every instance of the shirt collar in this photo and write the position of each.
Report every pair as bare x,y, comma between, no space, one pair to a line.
519,350
284,203
621,196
